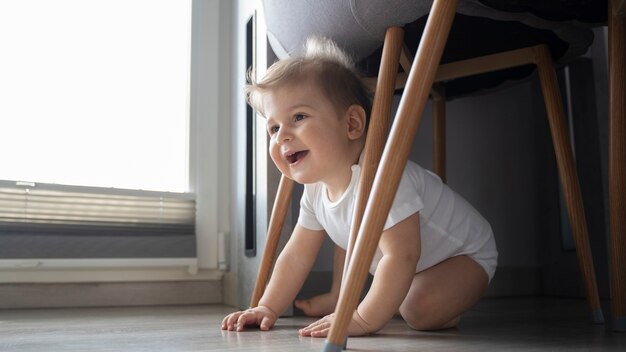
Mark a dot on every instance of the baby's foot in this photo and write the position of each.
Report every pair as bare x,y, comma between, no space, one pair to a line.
318,306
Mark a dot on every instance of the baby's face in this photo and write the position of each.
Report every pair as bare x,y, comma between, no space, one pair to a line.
308,139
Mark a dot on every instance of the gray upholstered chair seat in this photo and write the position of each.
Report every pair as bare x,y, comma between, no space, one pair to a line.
359,27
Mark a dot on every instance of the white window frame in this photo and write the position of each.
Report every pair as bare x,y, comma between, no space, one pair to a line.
209,172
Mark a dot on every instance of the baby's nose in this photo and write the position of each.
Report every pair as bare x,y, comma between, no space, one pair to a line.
284,135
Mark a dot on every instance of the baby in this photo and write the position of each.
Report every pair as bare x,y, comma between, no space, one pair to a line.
436,255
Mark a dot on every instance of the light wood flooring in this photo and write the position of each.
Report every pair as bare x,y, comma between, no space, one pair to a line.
496,324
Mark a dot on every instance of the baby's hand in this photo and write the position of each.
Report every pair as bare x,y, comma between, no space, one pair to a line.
321,328
259,316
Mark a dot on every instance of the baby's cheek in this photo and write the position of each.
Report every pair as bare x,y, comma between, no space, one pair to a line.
278,161
274,154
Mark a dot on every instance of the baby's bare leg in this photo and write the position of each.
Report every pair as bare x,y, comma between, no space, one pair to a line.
440,294
324,304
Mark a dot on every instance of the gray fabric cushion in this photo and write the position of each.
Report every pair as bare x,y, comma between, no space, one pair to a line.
359,25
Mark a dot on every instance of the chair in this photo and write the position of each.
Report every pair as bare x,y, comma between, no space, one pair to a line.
433,40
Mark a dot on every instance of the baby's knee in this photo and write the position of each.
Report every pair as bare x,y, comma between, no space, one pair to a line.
424,315
430,325
428,321
418,318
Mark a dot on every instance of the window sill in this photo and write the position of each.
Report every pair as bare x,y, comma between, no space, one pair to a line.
104,270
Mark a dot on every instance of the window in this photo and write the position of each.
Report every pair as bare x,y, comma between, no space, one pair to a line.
95,106
95,93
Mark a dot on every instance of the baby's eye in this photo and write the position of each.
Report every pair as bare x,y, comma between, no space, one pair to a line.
273,129
299,117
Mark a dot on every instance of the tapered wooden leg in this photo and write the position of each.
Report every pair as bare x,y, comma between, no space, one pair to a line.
568,176
439,131
392,165
617,162
277,220
378,128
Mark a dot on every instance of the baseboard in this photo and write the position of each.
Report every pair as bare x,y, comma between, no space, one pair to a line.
107,294
231,289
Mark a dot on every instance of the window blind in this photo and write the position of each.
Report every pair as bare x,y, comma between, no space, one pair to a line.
53,221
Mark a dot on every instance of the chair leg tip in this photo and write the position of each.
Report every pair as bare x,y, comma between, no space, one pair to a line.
597,316
331,347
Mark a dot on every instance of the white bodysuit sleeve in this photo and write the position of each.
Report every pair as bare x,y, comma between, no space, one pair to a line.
407,201
307,218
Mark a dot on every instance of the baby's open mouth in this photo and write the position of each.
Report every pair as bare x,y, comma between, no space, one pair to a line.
295,157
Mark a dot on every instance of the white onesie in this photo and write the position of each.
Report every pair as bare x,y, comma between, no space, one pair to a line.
449,225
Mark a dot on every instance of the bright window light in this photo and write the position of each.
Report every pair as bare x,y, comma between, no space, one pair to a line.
95,93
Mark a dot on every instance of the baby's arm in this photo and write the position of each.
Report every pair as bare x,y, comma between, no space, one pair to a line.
401,250
321,305
291,269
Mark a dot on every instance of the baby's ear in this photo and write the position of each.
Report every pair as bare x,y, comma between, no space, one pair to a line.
356,121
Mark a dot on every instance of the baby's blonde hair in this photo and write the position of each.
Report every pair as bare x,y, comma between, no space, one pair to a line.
323,63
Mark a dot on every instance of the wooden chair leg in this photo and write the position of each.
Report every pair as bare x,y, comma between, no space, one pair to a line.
377,130
568,176
617,162
277,220
394,159
439,131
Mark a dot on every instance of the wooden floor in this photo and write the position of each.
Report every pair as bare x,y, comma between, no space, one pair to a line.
520,324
